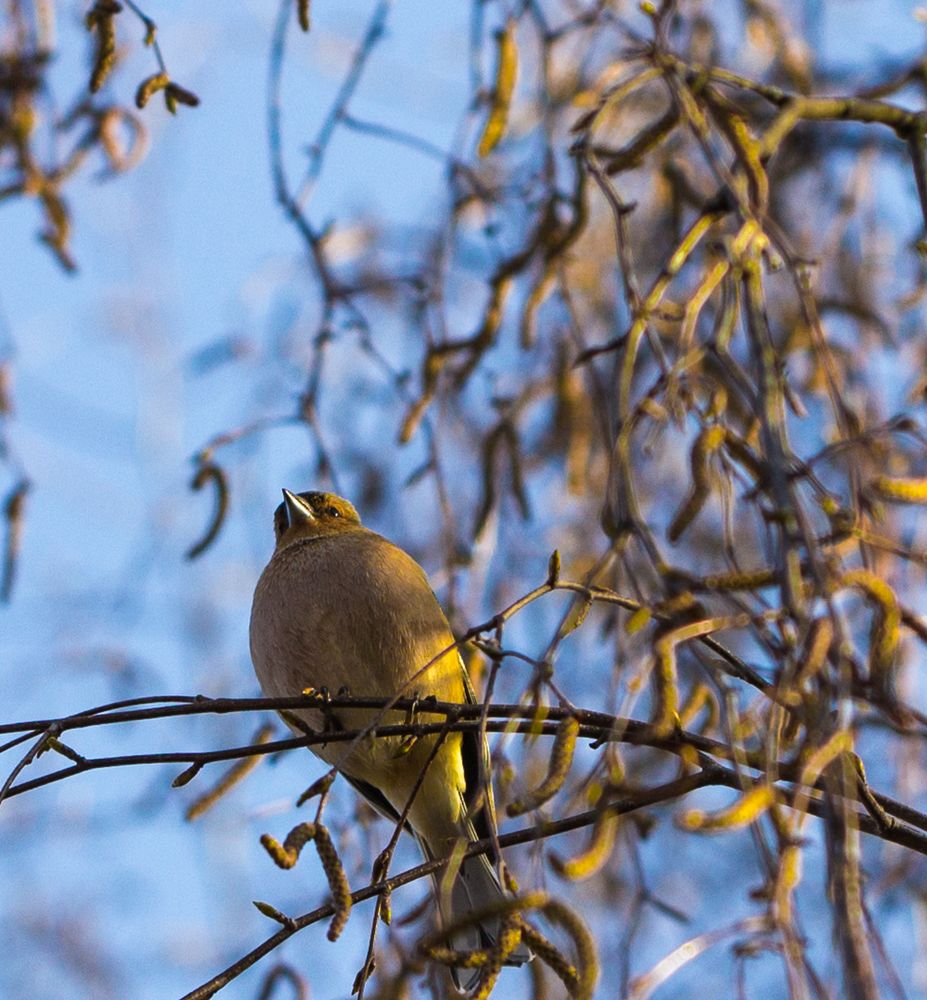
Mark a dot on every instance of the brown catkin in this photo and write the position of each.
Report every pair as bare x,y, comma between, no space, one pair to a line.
174,94
749,580
337,881
209,472
102,19
286,855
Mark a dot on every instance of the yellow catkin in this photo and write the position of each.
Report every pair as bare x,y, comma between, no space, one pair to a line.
548,953
667,685
579,978
584,944
654,410
111,140
538,718
506,74
59,224
886,622
748,152
677,605
149,87
701,697
787,879
820,757
748,808
718,403
812,658
578,614
508,940
479,958
286,855
899,490
708,442
638,620
561,759
815,650
664,651
238,771
594,857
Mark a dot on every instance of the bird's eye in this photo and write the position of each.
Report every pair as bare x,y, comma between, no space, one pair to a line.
333,512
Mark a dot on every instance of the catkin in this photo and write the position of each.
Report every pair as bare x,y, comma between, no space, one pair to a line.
149,87
337,881
506,74
209,472
236,773
706,444
561,759
593,858
102,19
583,942
886,623
552,957
285,855
747,809
893,489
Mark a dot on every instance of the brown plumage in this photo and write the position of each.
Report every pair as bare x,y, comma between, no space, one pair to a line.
339,606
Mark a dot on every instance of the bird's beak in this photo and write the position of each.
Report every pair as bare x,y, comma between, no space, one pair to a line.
297,510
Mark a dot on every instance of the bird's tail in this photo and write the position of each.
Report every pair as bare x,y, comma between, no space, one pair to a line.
476,887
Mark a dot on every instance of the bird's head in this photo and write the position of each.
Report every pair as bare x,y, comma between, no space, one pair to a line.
312,515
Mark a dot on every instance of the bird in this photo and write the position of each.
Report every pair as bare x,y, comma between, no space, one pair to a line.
340,608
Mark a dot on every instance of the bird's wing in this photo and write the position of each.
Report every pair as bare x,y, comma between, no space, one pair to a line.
477,775
375,798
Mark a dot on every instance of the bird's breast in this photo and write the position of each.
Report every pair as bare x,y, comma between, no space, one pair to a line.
350,611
